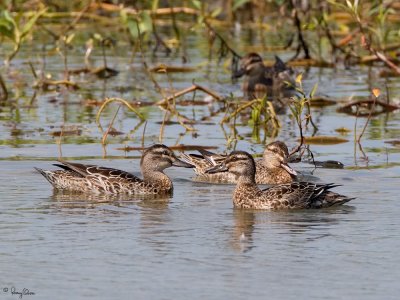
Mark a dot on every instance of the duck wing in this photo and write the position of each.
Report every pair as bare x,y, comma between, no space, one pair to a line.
91,171
304,195
292,195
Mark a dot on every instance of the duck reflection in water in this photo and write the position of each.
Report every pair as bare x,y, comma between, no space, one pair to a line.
71,200
250,223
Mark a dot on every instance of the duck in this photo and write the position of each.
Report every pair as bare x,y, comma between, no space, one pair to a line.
75,177
294,195
271,169
261,80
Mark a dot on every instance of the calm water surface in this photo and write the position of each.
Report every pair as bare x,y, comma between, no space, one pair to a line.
194,245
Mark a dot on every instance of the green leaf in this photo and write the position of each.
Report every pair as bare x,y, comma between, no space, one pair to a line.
238,3
196,4
154,5
314,89
146,22
8,27
132,27
28,26
124,16
216,12
69,38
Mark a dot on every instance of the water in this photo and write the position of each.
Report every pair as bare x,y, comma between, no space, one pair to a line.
194,245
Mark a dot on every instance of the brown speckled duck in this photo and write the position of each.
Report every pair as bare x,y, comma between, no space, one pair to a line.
89,178
295,195
271,169
260,79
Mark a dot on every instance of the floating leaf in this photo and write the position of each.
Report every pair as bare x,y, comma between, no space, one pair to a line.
393,143
329,164
164,68
321,101
342,130
324,140
67,132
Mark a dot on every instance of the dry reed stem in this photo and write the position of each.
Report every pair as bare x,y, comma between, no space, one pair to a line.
143,134
238,110
4,91
105,135
193,88
369,118
110,100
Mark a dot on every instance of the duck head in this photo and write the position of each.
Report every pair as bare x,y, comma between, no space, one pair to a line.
240,163
276,156
159,157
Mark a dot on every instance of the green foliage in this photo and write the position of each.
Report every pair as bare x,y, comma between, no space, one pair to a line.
238,3
299,103
7,26
15,30
142,23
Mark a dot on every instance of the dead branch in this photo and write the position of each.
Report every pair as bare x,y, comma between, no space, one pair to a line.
193,88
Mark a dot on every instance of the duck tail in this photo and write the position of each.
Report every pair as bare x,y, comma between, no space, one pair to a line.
335,199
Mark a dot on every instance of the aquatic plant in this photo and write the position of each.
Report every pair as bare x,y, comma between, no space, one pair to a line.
16,29
298,104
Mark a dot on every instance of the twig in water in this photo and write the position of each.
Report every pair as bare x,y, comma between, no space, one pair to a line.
156,85
302,43
59,142
110,100
143,134
4,92
193,88
105,135
161,136
376,93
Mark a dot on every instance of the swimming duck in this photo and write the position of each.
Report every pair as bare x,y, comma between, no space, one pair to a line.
89,178
271,169
295,195
261,80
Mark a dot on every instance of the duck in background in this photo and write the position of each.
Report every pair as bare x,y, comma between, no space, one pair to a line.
271,169
261,80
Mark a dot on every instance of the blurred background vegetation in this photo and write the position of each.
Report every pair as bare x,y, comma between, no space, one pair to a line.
326,31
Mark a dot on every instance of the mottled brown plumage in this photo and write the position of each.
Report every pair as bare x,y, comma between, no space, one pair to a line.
295,195
271,169
89,178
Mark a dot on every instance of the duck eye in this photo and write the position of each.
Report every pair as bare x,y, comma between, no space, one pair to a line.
165,152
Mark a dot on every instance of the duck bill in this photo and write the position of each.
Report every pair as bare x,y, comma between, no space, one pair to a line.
182,164
217,169
239,73
288,169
